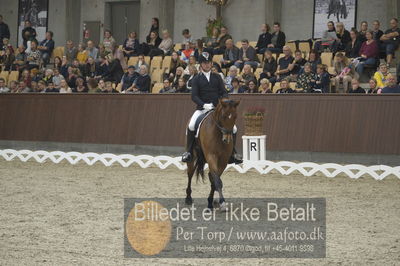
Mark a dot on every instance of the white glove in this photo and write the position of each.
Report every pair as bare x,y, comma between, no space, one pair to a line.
208,106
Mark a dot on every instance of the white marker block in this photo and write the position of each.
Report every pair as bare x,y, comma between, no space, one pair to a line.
254,148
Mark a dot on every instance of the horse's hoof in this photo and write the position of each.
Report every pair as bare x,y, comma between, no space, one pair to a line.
223,207
209,210
188,201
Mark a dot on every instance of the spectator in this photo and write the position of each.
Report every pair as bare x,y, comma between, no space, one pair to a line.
102,52
28,33
252,87
187,52
51,88
93,86
323,81
118,54
101,85
115,71
392,86
64,66
314,60
80,86
187,37
329,39
142,83
155,25
92,51
353,47
192,63
41,87
82,54
236,88
210,41
231,54
165,46
34,56
285,66
3,88
34,86
48,76
373,86
129,78
247,75
131,45
369,52
298,63
306,80
167,88
343,74
23,87
199,49
26,77
278,39
46,47
215,69
91,68
269,67
109,88
264,39
265,86
343,35
232,74
284,87
247,56
193,71
355,87
13,86
376,31
79,68
71,77
102,69
4,30
381,76
363,31
182,86
57,63
219,45
152,43
6,44
178,74
391,39
140,62
175,63
108,41
70,51
7,60
57,78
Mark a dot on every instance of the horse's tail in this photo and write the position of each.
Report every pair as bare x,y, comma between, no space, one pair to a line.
199,164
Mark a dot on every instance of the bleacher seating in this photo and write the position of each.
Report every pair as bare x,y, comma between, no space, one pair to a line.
157,87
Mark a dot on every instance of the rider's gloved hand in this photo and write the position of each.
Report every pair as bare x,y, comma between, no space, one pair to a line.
208,106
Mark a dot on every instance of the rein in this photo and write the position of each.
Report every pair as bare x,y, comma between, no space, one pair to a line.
221,128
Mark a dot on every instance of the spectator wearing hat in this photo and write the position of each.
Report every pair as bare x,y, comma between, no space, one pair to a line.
129,78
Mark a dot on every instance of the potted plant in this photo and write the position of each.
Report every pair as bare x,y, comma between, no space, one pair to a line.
253,121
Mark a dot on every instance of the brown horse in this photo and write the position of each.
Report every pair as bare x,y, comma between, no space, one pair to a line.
213,146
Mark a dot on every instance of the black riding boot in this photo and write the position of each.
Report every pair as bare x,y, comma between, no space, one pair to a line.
190,137
235,158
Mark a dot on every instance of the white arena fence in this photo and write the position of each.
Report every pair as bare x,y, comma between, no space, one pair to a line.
354,171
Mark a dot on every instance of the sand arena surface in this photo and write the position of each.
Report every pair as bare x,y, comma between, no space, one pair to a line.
62,214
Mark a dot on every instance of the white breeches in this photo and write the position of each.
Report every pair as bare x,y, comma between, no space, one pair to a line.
194,117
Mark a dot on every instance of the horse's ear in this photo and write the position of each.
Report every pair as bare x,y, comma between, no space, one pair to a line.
237,103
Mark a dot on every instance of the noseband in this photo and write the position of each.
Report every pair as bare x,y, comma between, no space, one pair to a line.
222,129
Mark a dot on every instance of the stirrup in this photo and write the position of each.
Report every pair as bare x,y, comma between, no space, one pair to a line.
235,158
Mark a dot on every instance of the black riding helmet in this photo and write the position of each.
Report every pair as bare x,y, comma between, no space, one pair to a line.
205,57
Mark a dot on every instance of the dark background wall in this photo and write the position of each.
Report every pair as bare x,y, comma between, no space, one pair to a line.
365,124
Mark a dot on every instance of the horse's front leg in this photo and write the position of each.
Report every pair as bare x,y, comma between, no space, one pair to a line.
217,181
211,196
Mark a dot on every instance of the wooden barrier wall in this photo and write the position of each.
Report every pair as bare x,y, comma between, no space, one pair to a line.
311,123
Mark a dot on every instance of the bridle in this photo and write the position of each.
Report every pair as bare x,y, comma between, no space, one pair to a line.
223,130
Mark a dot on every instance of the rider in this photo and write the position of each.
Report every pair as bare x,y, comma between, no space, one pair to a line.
207,89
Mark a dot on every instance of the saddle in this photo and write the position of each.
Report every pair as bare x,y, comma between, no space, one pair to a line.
199,121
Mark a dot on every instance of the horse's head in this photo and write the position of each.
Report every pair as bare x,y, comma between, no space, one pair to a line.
225,117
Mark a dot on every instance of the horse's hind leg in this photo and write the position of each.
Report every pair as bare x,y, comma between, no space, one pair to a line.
190,172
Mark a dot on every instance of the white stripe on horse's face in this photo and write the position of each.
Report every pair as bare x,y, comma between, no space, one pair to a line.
230,116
